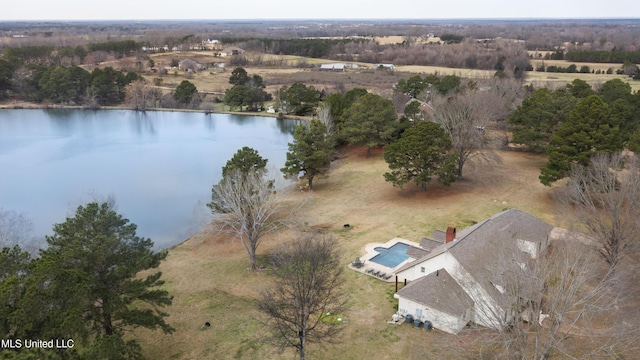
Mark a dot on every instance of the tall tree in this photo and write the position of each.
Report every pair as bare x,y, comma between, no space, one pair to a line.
613,90
108,85
185,92
339,103
14,268
91,273
246,206
140,95
6,73
239,76
580,89
245,160
535,121
412,86
464,118
421,152
299,99
556,299
604,199
310,152
15,229
239,96
303,304
370,121
586,132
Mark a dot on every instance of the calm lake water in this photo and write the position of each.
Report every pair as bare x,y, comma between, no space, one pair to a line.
160,166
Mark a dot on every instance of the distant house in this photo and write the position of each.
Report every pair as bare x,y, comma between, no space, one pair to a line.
210,43
384,66
456,277
190,65
332,67
424,108
231,51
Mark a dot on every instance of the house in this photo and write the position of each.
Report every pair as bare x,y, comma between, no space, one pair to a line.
466,278
210,43
231,51
190,65
424,107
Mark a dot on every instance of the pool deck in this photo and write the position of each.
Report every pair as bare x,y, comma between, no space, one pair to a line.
370,253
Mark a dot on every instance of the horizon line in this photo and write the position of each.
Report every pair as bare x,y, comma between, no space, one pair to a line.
332,19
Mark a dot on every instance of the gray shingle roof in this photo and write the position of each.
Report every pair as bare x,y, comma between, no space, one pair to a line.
430,244
439,235
416,252
488,249
438,291
482,249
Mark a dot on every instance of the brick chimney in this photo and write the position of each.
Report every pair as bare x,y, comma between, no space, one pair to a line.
451,234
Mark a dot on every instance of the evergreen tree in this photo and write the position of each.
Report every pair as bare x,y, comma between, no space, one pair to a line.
421,153
239,76
310,152
537,118
238,96
587,131
185,92
89,276
245,160
370,121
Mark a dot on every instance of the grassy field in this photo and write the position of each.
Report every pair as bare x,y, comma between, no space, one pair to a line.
216,81
210,282
560,79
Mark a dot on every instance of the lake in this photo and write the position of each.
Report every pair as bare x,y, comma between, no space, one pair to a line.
159,166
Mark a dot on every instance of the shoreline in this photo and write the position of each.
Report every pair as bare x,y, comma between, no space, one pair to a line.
24,105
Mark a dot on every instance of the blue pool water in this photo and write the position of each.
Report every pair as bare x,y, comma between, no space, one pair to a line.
392,256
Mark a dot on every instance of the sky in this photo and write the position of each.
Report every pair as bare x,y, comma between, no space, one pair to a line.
323,9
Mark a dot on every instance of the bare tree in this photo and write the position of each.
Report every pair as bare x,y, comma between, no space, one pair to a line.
247,206
15,229
465,120
562,304
305,301
139,95
324,115
604,199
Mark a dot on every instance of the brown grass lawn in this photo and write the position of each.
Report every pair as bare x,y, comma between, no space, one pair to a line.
208,278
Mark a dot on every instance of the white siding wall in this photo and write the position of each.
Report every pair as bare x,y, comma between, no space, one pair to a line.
441,321
430,266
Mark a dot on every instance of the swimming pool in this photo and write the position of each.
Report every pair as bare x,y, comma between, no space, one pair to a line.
391,257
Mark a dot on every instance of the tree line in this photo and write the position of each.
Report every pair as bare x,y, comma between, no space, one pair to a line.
66,85
575,122
602,56
316,48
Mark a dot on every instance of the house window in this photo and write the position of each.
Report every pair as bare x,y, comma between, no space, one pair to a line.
422,269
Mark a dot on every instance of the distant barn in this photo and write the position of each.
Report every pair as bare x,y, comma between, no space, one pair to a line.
333,67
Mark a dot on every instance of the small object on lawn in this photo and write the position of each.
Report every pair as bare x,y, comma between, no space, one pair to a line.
207,324
346,226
